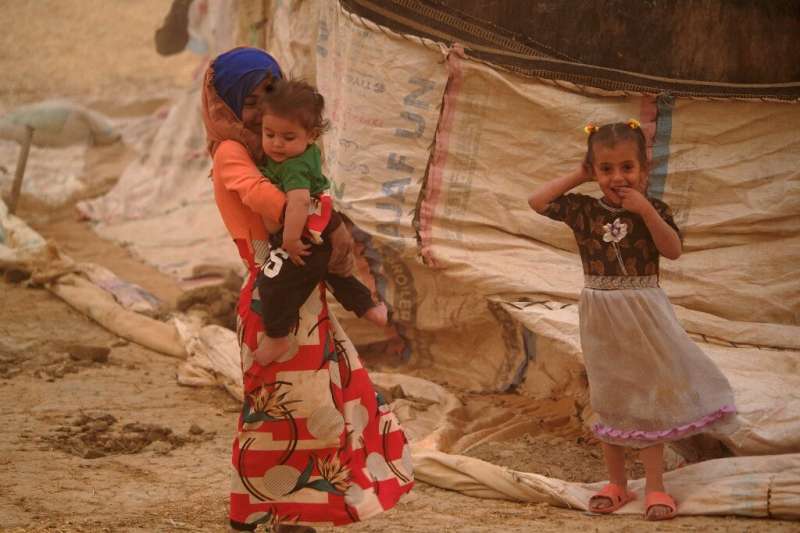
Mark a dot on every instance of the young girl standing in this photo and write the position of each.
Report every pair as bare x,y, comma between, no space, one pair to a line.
648,382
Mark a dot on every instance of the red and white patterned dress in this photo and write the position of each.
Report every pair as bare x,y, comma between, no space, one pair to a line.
315,444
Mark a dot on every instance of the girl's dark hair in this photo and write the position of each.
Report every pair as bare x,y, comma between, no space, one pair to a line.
612,134
295,100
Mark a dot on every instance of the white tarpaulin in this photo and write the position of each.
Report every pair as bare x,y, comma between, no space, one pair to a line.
163,204
764,486
761,486
19,244
63,131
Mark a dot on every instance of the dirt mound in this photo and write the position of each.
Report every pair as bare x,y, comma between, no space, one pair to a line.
49,360
553,456
93,436
217,303
60,366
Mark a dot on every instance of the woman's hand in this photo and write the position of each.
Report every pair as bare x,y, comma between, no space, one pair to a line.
341,262
296,250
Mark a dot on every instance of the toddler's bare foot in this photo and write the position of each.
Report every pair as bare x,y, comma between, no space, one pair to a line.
378,315
270,349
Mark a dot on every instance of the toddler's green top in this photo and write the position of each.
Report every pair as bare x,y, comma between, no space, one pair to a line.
301,172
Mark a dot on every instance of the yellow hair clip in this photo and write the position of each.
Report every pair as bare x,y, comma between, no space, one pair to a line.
633,123
590,128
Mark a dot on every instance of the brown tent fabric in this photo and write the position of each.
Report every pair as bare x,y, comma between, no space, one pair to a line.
525,54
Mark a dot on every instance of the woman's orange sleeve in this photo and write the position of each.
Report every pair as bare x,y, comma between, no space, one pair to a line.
235,170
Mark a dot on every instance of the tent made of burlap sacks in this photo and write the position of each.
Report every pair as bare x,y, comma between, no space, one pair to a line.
432,154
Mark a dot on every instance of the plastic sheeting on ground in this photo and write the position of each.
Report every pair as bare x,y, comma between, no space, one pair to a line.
58,123
100,306
129,295
98,293
761,486
764,486
52,176
19,244
62,132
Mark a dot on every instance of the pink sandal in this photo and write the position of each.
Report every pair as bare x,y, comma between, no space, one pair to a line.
655,498
618,497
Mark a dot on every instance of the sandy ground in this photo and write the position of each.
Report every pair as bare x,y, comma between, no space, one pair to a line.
112,443
98,436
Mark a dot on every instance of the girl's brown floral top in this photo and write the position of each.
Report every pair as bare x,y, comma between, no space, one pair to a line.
612,241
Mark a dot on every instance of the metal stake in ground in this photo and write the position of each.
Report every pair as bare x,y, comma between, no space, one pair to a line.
22,161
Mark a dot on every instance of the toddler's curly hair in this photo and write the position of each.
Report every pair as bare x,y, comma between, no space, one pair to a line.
295,100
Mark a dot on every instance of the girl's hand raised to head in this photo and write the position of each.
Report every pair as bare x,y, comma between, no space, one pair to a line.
549,191
633,200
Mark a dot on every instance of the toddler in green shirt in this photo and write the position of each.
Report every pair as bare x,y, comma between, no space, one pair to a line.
291,123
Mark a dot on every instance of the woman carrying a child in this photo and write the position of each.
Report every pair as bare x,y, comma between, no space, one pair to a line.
314,443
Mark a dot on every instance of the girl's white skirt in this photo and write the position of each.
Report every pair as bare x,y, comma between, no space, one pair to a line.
648,381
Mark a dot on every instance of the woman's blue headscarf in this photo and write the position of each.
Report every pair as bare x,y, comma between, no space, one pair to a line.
237,72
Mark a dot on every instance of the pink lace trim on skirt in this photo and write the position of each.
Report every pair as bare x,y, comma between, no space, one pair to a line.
667,434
